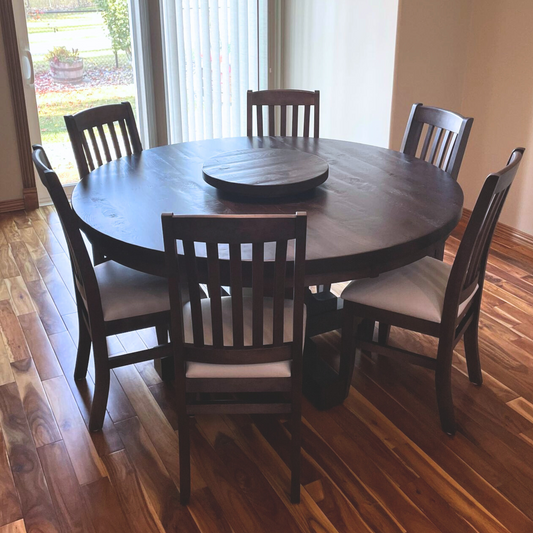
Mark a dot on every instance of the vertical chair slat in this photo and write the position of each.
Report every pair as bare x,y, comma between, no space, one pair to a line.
259,109
449,153
213,272
443,148
114,138
435,145
249,114
279,292
194,293
486,229
283,131
271,120
316,119
86,149
258,257
295,121
103,140
236,295
125,137
307,119
427,140
96,149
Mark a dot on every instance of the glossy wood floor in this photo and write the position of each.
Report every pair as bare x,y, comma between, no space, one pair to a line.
378,463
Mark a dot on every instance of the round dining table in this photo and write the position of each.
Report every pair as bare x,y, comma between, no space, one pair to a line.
378,210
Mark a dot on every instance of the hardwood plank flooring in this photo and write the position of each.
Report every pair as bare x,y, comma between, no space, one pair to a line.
377,464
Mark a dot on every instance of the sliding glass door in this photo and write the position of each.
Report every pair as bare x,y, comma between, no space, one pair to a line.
185,65
77,55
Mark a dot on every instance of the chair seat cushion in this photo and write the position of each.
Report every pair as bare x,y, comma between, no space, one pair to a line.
127,293
415,290
279,369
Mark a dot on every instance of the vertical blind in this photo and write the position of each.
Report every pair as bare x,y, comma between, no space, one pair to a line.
214,51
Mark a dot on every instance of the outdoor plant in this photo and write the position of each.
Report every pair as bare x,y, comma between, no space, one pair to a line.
116,17
60,54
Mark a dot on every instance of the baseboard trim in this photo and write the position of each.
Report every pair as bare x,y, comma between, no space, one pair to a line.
505,232
11,205
31,200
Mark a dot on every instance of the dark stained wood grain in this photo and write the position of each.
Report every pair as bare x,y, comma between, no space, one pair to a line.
45,306
40,419
14,527
10,507
131,495
377,210
64,489
104,508
159,488
263,173
85,460
35,502
355,460
41,350
15,341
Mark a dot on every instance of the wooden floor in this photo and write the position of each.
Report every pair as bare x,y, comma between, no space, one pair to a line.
378,463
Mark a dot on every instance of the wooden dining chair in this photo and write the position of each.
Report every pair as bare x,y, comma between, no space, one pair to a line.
445,137
432,298
97,132
281,99
249,342
110,298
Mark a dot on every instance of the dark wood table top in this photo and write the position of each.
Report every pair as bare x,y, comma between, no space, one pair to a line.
265,172
379,209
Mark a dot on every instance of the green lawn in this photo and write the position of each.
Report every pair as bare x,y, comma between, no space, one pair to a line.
86,32
53,106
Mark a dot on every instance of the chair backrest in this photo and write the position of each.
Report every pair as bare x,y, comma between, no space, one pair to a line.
82,268
95,150
445,137
205,239
283,98
468,270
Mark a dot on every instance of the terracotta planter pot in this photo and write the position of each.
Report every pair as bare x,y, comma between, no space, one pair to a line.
67,72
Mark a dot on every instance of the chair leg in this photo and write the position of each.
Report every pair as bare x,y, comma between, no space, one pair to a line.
101,385
296,422
473,364
365,332
347,361
443,384
165,366
84,349
184,455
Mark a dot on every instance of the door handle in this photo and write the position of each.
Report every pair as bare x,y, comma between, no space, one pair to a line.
27,67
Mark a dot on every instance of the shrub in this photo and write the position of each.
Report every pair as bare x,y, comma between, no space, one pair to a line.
62,54
116,17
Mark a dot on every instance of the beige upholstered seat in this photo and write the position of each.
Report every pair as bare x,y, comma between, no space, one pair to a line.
415,290
127,293
280,369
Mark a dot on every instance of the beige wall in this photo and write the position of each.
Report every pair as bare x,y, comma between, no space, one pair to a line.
430,64
345,49
474,57
498,93
10,174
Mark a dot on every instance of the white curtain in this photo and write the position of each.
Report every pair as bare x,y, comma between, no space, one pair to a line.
214,51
